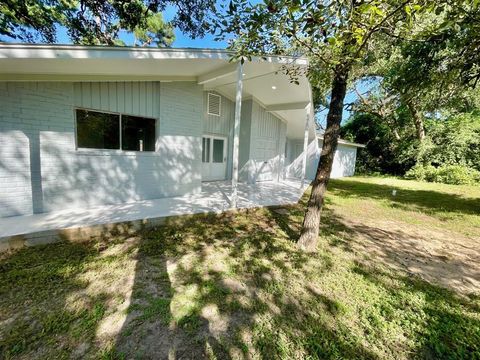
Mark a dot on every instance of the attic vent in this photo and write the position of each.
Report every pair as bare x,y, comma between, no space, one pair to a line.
214,104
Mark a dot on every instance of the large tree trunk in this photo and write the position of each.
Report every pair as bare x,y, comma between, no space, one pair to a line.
311,222
417,119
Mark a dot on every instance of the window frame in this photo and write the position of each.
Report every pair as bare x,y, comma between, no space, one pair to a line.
115,151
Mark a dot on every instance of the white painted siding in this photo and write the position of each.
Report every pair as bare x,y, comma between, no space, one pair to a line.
266,147
41,170
295,158
135,98
343,161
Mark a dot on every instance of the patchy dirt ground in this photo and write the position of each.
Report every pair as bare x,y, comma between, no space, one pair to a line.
429,244
438,256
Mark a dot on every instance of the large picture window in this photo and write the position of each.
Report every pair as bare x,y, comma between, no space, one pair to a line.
99,130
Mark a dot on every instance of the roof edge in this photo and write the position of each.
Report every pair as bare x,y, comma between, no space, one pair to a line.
345,142
223,53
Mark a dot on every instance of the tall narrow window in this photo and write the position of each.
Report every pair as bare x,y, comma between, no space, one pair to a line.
218,146
205,150
138,133
97,130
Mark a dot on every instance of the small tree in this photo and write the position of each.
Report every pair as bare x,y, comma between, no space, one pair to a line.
337,37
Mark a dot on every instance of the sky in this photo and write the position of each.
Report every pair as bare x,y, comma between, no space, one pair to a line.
181,40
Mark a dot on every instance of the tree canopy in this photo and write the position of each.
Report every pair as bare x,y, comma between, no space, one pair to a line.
100,22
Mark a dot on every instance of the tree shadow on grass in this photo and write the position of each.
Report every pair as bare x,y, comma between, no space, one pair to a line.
430,202
445,331
45,311
283,219
227,294
215,286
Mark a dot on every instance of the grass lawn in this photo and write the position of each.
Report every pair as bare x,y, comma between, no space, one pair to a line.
395,277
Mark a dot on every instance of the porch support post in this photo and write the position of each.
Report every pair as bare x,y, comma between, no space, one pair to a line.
236,133
305,144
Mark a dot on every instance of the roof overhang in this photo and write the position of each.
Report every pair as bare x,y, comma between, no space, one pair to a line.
263,79
345,142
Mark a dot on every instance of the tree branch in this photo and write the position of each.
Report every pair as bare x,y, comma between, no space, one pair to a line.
376,27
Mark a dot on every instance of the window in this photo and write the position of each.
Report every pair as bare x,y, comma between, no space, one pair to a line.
217,150
138,134
98,130
214,104
213,149
206,150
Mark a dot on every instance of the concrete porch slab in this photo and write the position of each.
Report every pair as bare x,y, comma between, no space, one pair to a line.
78,224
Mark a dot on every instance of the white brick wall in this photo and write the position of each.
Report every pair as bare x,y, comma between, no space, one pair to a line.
40,169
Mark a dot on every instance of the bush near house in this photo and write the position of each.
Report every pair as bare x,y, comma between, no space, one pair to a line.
447,174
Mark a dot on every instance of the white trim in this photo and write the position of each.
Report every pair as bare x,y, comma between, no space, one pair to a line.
210,153
219,104
287,106
90,77
210,162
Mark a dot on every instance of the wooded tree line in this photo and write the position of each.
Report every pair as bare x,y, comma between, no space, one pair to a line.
424,54
422,119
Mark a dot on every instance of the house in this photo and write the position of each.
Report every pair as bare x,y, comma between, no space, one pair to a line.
82,127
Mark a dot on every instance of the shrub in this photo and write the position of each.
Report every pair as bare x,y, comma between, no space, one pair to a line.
447,174
420,172
451,140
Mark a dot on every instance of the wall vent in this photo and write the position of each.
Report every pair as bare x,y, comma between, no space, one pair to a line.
214,104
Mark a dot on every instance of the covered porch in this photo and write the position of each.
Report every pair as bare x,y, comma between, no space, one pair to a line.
80,224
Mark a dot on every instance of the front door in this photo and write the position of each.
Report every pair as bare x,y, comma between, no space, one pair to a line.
214,158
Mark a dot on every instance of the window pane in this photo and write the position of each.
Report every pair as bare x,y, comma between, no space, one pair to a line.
218,150
205,150
138,133
97,130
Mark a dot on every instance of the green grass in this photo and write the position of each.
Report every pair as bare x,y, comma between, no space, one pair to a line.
235,286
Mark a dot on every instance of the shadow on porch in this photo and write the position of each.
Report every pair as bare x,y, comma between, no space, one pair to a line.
81,224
